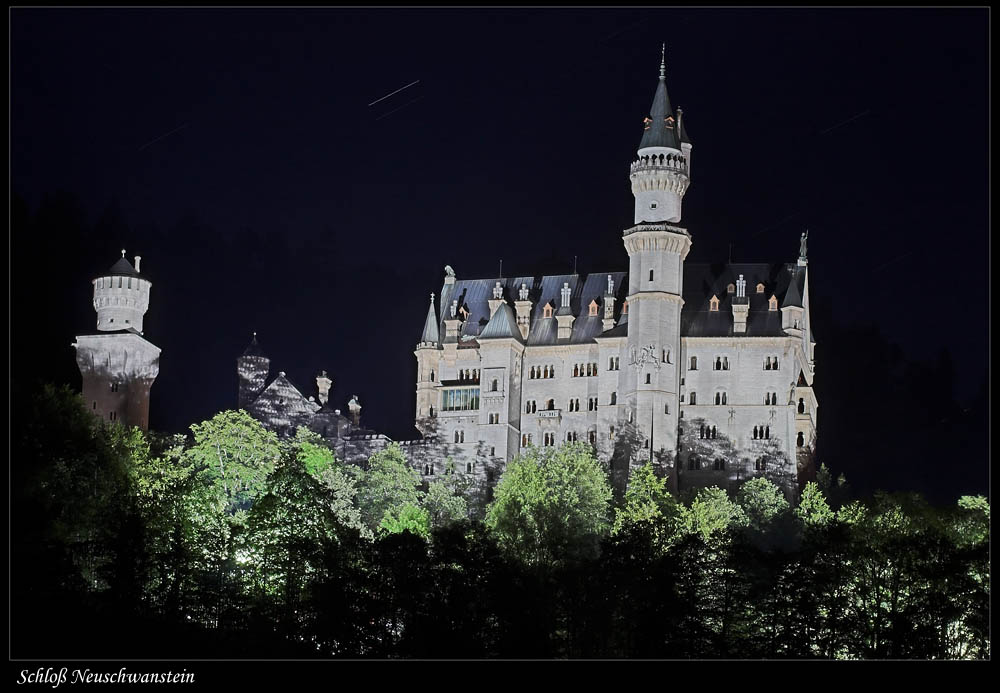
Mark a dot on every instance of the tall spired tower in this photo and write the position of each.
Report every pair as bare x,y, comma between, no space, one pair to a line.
656,249
117,363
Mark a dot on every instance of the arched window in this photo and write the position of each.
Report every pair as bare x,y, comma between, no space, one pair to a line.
650,275
701,431
694,462
713,433
462,437
694,363
760,288
725,363
718,398
468,467
576,371
550,405
774,398
718,363
614,398
767,363
800,440
648,376
802,405
723,397
456,436
693,399
767,432
666,408
713,304
755,435
720,465
775,364
432,376
547,310
767,398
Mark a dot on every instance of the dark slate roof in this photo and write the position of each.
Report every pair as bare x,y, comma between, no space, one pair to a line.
474,296
431,333
683,128
253,349
123,268
659,132
702,281
503,325
793,297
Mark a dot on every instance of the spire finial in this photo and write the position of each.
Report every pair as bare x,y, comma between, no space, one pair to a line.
123,252
663,61
432,297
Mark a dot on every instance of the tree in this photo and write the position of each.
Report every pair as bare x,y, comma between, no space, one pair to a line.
386,486
763,503
409,518
648,502
711,513
233,454
320,463
443,504
551,505
813,509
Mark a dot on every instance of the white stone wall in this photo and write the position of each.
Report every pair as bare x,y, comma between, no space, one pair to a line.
120,302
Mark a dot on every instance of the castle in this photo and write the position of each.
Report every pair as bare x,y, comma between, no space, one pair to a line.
117,363
704,369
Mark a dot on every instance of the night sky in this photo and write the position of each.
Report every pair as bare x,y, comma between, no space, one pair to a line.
235,150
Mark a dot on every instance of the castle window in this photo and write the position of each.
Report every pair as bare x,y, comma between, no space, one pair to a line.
694,463
767,363
111,320
545,372
775,367
95,404
800,439
767,432
772,303
755,433
701,431
456,436
713,433
767,398
760,288
592,437
718,363
652,205
614,398
119,282
550,405
731,289
129,282
495,385
113,416
576,371
524,440
802,406
774,398
720,465
666,408
692,399
650,275
648,376
713,304
760,464
694,363
725,363
432,376
593,308
611,433
616,363
547,310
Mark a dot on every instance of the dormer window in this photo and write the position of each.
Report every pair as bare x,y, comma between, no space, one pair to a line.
713,304
731,289
760,288
652,205
547,310
772,303
593,309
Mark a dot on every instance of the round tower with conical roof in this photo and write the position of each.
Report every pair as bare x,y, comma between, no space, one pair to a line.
252,369
660,173
657,249
121,297
118,364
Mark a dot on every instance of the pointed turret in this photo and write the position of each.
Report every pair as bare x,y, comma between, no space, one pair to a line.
252,369
431,335
660,174
660,126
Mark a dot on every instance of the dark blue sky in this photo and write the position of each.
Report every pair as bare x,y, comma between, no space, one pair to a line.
234,149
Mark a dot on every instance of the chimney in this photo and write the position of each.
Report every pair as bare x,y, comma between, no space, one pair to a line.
564,316
741,306
609,306
354,406
497,298
452,323
523,309
323,385
137,259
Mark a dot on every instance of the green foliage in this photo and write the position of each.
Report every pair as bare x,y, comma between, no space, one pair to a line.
444,506
386,486
551,505
409,518
648,502
813,509
762,502
233,454
711,513
315,456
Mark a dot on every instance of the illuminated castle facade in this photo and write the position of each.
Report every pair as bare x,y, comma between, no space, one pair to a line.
705,369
